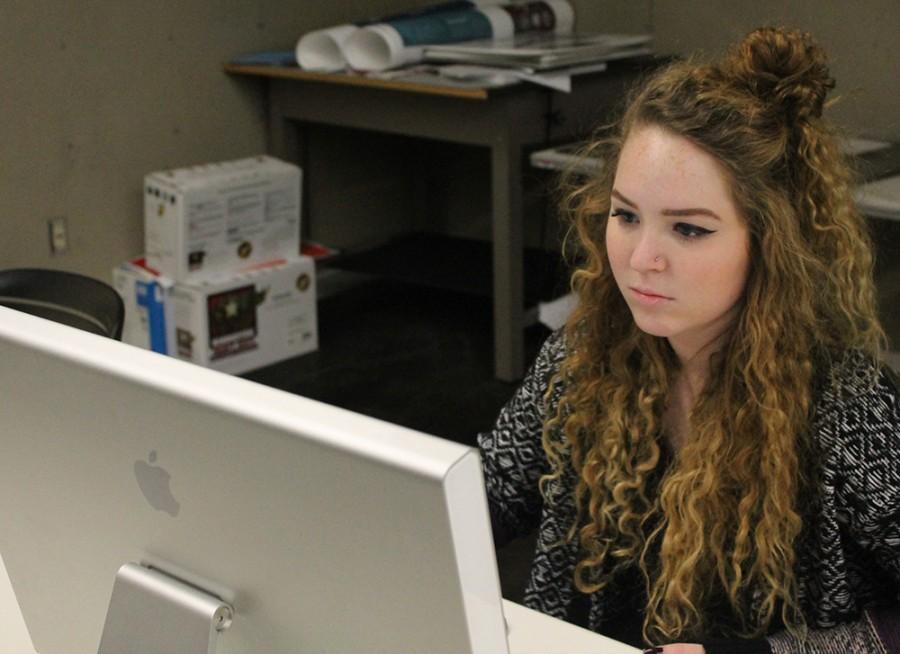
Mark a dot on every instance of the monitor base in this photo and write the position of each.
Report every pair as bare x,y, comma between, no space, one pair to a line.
151,612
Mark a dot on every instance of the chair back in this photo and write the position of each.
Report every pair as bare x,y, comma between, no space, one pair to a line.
64,297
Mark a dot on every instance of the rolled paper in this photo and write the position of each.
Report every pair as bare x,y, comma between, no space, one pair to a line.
398,42
544,15
323,50
388,45
564,14
502,24
379,47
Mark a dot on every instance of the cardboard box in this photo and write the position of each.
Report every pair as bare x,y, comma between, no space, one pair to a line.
226,217
144,293
242,322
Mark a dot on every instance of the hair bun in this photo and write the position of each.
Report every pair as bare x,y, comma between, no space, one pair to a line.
786,67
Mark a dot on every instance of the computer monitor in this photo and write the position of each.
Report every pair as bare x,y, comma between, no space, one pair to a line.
325,531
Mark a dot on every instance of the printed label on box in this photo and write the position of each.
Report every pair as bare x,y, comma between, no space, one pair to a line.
246,321
222,218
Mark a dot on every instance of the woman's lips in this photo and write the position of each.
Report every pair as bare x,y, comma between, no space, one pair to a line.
648,297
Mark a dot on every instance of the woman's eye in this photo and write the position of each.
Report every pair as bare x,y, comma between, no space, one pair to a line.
625,217
691,231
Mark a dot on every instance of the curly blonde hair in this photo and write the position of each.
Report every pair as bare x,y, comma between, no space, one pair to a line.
718,525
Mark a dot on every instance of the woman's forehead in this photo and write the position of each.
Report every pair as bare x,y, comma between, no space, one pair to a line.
663,167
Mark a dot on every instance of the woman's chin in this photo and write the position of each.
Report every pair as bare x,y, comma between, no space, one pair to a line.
654,328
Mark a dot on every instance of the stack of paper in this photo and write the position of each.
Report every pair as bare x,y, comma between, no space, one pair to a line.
543,50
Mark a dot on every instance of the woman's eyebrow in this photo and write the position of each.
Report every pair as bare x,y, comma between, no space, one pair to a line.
621,197
693,211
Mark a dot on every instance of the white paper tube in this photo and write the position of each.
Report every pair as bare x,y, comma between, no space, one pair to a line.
531,16
322,50
502,26
379,47
565,15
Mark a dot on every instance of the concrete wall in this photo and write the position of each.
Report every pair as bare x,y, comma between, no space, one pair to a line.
95,94
861,39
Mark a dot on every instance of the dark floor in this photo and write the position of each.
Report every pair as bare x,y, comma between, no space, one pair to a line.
417,357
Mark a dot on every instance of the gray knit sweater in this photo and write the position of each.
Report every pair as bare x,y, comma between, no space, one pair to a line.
848,565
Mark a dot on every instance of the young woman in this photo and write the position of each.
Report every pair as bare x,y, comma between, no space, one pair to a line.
710,449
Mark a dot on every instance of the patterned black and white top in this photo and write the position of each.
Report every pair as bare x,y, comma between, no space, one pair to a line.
849,555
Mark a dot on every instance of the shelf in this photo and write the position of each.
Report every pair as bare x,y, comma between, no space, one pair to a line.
455,264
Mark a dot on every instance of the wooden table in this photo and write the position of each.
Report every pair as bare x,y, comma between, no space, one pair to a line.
506,120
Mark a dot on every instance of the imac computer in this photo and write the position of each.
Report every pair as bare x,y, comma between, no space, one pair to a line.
151,505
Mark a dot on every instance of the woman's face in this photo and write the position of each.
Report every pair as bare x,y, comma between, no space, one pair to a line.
677,246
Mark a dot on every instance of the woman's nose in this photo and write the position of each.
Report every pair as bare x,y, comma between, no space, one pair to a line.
648,254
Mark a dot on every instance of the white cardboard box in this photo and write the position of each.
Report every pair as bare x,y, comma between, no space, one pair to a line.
144,294
203,221
242,322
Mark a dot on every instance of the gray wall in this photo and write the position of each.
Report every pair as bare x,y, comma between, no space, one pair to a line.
862,39
94,95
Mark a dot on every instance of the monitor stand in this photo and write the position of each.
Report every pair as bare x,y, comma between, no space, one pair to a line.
151,612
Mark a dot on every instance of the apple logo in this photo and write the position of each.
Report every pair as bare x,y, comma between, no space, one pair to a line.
154,483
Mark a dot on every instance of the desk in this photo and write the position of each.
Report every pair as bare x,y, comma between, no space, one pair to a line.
505,120
529,632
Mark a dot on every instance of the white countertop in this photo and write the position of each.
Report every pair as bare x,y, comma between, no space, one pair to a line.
529,632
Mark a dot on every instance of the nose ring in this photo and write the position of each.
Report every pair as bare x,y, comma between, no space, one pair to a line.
656,260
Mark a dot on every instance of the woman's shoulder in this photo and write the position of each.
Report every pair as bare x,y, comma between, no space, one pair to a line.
543,371
546,363
855,381
552,352
856,420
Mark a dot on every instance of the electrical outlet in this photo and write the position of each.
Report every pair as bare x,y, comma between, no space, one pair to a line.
59,234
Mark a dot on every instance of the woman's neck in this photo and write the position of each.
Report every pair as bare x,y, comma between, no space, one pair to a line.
689,383
695,347
694,370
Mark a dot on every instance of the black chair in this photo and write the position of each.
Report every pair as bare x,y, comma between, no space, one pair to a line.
64,297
